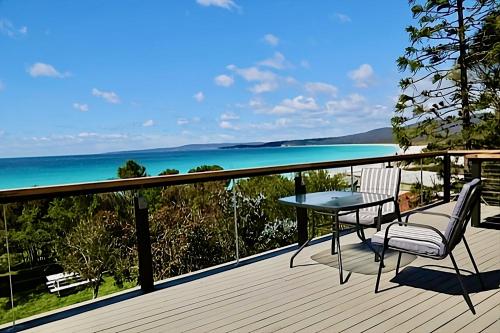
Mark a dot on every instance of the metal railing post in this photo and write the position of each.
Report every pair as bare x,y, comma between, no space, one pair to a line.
235,213
421,184
446,178
143,244
352,179
300,188
476,209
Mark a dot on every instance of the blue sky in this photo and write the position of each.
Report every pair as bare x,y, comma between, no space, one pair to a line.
90,76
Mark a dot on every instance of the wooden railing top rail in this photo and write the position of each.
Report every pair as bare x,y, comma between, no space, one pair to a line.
483,156
15,195
477,151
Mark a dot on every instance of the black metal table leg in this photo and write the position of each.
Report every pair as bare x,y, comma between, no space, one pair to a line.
298,251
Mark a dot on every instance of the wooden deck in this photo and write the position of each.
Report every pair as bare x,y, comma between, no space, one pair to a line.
268,296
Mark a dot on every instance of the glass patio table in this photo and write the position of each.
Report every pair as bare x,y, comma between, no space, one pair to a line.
335,204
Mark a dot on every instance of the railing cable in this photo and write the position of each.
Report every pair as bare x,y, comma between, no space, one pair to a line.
8,263
235,213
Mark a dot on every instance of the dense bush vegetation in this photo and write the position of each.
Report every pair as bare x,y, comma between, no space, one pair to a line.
191,226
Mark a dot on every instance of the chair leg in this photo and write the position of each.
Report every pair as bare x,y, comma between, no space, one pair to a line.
399,262
380,267
474,264
465,293
398,211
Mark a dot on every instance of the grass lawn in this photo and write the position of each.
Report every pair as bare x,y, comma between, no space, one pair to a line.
39,300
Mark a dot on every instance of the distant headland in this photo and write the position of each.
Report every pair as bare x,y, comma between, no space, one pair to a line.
376,136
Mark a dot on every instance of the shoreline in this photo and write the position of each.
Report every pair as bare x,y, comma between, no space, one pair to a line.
395,145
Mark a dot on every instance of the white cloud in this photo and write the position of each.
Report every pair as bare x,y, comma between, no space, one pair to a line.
351,103
224,80
81,107
291,80
225,137
316,88
148,123
277,124
229,116
8,29
253,73
87,134
256,103
342,18
226,4
264,87
305,64
41,69
199,96
267,80
105,136
278,61
271,39
228,125
313,123
362,76
109,96
300,103
286,106
186,121
282,109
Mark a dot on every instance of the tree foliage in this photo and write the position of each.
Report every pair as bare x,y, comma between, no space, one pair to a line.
131,169
167,172
190,230
90,248
443,100
191,226
485,58
204,168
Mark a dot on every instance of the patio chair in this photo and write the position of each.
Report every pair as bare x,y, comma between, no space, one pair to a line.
426,241
373,180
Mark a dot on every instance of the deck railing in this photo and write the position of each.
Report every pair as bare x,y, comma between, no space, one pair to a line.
140,205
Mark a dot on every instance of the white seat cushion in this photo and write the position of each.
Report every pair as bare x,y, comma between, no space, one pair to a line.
414,239
365,217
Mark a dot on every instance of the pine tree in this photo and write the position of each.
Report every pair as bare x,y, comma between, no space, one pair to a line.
439,99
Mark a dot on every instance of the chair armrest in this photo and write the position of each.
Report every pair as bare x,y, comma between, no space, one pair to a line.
418,225
426,213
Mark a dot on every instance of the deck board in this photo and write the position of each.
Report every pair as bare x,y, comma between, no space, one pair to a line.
268,296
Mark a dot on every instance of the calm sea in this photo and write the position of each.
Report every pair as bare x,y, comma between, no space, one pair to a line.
38,171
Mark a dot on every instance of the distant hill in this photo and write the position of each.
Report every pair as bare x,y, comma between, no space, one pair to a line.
191,147
379,135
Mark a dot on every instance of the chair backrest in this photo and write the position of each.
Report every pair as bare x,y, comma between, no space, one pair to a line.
381,180
462,213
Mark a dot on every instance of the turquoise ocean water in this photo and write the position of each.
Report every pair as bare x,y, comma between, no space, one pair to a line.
38,171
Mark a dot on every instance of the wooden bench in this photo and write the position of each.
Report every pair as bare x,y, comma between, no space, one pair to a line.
64,281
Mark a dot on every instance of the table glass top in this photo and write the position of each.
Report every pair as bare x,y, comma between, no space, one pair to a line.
336,200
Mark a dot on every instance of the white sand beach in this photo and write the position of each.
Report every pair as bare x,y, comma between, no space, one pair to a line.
429,178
